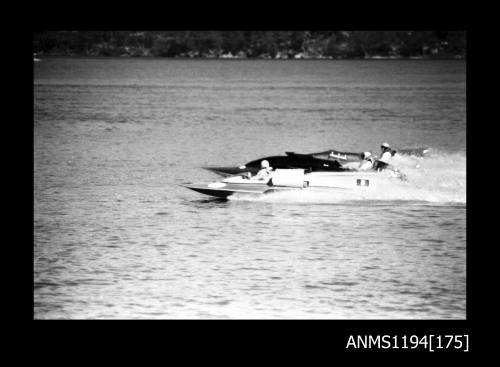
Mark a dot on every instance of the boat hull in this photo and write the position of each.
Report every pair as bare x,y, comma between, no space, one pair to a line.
226,189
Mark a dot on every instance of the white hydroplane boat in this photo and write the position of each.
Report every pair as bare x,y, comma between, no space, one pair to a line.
297,179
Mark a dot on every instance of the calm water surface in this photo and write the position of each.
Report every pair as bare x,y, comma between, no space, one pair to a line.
115,236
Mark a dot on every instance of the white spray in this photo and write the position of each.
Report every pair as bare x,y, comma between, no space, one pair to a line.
437,178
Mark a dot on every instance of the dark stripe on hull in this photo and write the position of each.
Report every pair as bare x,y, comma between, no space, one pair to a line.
229,189
212,192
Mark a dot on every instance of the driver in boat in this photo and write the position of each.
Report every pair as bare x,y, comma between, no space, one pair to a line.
265,172
367,162
383,162
384,159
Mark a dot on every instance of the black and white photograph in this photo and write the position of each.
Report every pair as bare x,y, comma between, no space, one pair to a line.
249,174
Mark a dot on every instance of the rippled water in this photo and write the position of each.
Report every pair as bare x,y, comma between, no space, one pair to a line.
116,237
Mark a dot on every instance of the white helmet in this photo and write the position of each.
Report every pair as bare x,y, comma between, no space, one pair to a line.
385,145
264,164
366,155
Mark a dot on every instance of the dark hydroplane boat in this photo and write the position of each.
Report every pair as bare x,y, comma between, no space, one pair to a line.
327,161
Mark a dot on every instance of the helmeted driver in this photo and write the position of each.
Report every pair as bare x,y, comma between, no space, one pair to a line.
367,162
385,157
265,172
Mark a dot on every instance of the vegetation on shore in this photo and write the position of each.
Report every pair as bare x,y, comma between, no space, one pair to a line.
253,44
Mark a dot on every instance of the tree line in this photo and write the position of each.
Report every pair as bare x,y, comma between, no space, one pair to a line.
253,44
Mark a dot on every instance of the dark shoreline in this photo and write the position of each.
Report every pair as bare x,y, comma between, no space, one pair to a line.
375,58
266,45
